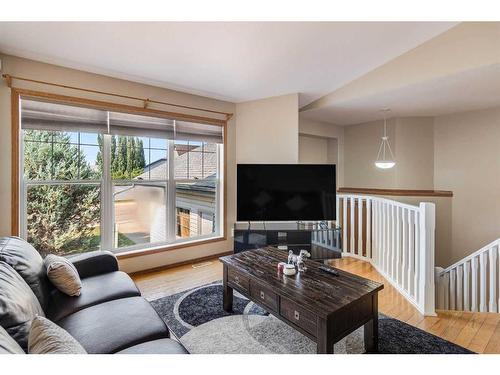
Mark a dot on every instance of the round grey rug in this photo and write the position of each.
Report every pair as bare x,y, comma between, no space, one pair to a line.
257,334
197,317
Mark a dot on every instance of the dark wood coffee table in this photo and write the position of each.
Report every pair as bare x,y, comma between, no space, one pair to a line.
324,307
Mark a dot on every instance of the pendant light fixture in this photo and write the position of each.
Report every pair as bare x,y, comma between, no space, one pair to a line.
385,157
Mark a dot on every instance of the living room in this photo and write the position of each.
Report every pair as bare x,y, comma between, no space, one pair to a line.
250,187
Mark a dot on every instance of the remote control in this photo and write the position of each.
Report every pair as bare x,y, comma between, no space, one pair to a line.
331,271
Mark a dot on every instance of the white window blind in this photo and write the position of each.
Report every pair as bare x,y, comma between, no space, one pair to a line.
192,131
139,125
61,117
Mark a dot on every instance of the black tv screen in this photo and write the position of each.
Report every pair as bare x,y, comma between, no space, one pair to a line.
285,192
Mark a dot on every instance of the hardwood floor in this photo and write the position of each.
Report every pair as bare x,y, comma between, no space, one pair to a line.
479,332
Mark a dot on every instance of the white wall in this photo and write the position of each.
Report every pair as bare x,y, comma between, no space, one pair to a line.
267,130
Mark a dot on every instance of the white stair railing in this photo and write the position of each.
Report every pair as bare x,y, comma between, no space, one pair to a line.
396,238
472,284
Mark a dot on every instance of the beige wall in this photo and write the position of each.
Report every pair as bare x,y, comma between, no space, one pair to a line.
411,140
415,153
335,141
313,150
333,151
467,161
458,152
52,73
267,130
361,145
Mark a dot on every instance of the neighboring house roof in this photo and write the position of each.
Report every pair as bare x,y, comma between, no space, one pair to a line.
199,168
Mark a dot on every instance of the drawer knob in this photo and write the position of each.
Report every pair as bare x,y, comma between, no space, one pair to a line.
262,295
296,315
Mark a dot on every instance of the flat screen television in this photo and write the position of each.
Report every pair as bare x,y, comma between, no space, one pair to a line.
285,192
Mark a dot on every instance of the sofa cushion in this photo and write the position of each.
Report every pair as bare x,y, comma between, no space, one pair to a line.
115,325
95,290
18,305
47,337
162,346
24,258
8,345
63,275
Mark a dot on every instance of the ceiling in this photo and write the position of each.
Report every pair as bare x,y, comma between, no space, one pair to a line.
464,91
229,61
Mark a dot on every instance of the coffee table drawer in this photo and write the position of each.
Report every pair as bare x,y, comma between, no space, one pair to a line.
264,296
298,316
238,280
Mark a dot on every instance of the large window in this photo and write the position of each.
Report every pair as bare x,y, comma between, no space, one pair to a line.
94,179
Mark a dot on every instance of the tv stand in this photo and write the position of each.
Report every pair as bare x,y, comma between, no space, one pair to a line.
322,241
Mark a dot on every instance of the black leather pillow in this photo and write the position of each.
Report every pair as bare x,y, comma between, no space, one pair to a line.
28,263
18,305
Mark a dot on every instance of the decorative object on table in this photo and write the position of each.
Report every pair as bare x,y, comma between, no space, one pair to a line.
301,265
289,270
298,260
293,258
281,265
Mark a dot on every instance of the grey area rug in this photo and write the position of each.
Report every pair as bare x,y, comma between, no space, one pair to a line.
197,318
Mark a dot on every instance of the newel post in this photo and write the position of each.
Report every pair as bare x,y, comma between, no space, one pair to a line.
426,286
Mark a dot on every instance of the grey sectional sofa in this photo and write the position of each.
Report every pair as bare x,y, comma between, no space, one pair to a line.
109,316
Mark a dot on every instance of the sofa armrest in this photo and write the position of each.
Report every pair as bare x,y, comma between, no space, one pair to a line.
94,263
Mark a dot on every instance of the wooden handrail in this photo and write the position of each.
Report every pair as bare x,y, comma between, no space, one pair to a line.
397,192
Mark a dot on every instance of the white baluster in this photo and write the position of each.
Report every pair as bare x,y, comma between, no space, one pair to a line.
337,210
466,306
387,238
411,253
446,283
393,241
474,284
368,228
398,246
483,259
417,255
404,249
344,224
498,274
460,287
378,245
381,251
440,288
378,233
352,247
360,227
452,288
493,252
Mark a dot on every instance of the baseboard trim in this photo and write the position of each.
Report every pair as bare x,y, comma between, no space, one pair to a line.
183,263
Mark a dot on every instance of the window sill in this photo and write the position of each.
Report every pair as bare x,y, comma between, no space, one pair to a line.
163,248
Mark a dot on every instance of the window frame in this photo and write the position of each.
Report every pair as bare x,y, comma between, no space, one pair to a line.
19,189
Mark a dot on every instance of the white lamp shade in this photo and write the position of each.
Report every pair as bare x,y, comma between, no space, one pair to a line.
385,164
